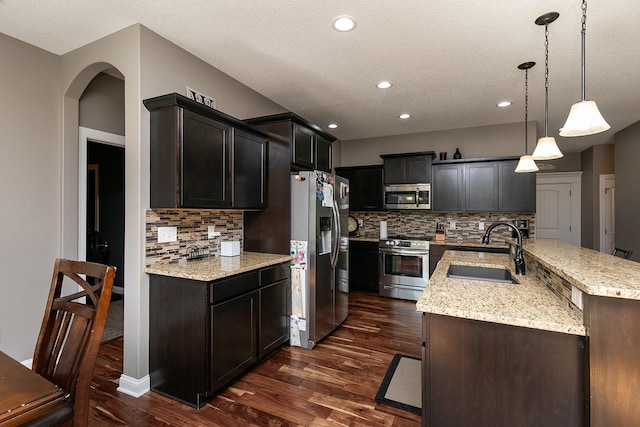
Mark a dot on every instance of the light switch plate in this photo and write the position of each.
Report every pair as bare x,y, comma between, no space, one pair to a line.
211,232
452,225
167,234
481,225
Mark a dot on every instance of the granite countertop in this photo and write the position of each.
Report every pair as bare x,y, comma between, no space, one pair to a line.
474,242
213,268
593,272
365,237
530,303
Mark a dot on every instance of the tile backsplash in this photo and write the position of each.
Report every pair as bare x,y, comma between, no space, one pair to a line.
193,226
421,223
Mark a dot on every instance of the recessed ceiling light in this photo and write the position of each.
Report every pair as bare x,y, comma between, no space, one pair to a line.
332,125
344,23
503,104
405,115
384,85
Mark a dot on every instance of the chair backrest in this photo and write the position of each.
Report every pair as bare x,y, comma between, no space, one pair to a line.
72,329
622,253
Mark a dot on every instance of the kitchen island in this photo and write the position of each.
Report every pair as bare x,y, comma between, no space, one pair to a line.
524,354
211,320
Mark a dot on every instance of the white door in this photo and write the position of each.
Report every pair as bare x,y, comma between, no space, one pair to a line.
607,213
553,212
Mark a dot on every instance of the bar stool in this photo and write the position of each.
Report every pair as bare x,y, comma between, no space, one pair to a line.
621,253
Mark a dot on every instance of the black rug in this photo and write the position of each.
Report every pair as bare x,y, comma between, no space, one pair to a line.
401,386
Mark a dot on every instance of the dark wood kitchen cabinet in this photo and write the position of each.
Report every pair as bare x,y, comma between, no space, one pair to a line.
408,168
203,335
310,145
363,266
203,158
487,374
366,188
482,185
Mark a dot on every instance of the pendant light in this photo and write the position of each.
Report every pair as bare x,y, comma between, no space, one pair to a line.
526,163
546,148
584,116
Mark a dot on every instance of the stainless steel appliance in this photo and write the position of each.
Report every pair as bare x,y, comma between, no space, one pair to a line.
407,196
320,275
404,267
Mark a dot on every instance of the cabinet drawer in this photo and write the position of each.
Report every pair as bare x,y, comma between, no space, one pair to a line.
274,274
223,289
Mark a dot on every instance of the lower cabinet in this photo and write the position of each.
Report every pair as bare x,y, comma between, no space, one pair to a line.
203,335
487,374
363,266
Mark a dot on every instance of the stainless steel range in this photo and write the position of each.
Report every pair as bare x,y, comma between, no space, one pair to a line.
404,267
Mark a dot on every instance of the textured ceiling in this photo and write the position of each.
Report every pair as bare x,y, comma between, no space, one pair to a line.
450,61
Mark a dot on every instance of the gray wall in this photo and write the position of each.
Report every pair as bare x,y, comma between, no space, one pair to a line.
102,105
30,187
484,141
627,204
596,160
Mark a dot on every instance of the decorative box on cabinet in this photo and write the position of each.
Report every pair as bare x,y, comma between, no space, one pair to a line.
310,145
203,158
366,189
408,168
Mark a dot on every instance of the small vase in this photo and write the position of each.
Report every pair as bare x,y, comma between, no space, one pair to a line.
457,154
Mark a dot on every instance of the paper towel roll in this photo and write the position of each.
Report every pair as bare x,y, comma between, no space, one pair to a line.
383,229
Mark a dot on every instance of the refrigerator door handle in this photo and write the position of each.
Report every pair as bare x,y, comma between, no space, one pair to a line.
336,242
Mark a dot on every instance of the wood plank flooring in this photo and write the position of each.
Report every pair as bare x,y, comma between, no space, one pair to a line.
332,385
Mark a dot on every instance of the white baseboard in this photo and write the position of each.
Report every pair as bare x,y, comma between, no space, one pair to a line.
134,387
118,290
28,363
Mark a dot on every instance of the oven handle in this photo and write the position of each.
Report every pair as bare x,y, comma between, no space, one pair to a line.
401,252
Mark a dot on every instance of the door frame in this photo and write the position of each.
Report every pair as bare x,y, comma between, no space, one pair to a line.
575,180
603,180
84,136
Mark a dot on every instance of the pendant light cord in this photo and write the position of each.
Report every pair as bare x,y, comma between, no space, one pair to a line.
526,109
546,80
583,36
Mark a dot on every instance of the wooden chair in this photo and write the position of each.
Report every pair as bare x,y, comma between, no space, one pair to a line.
70,336
621,253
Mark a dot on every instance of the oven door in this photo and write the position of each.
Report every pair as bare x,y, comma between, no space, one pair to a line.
403,273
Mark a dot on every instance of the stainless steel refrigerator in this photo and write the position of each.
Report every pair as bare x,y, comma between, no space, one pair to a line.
320,255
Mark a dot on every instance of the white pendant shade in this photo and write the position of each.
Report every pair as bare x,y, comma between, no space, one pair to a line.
584,119
526,164
547,149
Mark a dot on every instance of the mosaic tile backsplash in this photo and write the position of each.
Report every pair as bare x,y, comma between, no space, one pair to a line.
193,226
423,223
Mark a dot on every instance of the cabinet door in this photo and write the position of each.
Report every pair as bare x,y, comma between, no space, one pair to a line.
363,266
323,154
481,184
447,187
302,148
205,162
395,170
517,190
233,338
370,188
274,316
354,186
249,160
419,169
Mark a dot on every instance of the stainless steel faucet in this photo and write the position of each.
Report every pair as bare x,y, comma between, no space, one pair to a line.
519,259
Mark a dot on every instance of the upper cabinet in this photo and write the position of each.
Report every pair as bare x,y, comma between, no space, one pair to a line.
310,145
365,187
409,168
482,185
203,158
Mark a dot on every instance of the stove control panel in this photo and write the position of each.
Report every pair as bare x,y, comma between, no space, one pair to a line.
411,244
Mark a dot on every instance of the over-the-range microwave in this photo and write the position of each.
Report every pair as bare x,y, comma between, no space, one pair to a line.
407,196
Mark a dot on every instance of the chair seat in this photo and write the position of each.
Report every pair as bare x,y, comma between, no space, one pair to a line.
55,417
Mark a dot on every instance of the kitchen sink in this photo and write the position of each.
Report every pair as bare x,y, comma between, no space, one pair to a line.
487,274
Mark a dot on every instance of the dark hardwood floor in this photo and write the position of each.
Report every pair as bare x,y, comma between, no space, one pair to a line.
332,385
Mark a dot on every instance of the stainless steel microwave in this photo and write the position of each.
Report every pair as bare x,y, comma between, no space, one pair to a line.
407,196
